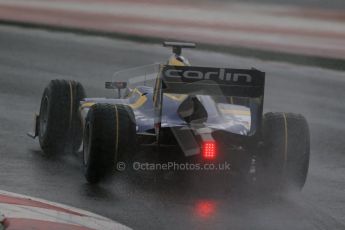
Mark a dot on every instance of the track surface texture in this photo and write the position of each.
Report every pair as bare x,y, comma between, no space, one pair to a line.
29,59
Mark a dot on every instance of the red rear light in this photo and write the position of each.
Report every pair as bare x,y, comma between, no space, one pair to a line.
209,150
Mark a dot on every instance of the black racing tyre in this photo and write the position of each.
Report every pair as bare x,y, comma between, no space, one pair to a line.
60,123
283,163
109,135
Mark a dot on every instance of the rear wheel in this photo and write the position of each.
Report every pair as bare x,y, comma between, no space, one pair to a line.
283,163
59,121
109,137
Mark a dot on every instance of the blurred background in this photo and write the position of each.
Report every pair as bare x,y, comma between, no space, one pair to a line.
306,31
335,4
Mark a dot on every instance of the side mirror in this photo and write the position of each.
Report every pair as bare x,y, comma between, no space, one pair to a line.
116,85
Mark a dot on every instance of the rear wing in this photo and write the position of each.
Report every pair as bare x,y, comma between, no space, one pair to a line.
194,80
212,81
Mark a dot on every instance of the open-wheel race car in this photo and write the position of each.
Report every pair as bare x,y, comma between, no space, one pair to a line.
210,114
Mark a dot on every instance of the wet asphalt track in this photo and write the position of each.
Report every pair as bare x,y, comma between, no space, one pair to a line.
30,58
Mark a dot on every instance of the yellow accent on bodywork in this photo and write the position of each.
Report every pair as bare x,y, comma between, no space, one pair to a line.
235,112
135,105
157,85
175,62
87,105
176,97
139,102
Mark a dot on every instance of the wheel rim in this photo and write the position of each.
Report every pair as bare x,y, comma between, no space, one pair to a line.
44,116
87,141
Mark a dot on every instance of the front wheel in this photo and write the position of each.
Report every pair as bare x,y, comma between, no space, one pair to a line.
109,135
283,163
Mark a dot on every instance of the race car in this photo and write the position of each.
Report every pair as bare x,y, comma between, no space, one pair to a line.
204,113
